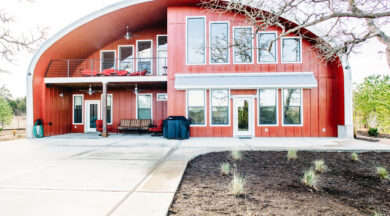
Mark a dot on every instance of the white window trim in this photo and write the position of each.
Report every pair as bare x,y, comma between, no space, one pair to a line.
151,105
277,109
158,94
281,47
112,105
205,40
205,108
151,57
101,59
301,110
253,55
119,55
228,42
258,48
82,109
211,109
158,53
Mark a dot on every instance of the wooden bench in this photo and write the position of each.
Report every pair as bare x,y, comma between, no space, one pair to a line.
134,125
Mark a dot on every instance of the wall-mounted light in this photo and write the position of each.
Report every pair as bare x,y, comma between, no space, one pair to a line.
61,95
90,92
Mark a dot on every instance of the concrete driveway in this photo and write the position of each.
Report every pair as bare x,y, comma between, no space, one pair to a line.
75,175
83,174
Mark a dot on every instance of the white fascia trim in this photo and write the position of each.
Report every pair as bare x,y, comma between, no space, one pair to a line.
205,40
211,109
276,48
301,110
253,40
228,38
243,74
300,46
70,80
189,87
48,43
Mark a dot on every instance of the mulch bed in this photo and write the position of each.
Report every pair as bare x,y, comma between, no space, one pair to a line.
273,185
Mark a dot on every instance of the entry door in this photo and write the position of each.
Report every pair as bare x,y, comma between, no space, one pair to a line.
91,115
243,116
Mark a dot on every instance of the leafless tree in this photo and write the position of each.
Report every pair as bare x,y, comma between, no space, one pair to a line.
344,24
12,42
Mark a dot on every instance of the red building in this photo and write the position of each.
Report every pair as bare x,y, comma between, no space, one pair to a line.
171,57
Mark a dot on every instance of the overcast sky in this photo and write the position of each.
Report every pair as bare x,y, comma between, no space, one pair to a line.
57,14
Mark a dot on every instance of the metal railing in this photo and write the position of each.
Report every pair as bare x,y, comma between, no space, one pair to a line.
155,66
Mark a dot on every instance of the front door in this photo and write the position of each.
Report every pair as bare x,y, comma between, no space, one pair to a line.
91,115
243,116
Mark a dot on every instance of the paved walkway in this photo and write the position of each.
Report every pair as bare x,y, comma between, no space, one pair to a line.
84,174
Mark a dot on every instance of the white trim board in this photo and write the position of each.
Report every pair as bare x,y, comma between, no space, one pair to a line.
119,79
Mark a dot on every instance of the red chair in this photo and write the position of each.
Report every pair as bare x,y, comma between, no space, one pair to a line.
108,72
122,73
157,128
139,73
99,126
88,72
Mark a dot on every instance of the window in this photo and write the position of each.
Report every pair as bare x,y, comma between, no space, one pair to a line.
162,52
220,107
77,109
107,59
292,102
109,108
126,58
144,55
162,96
268,113
243,44
219,42
263,41
196,41
291,50
196,106
144,106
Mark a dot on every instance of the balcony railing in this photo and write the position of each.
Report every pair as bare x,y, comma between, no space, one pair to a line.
155,66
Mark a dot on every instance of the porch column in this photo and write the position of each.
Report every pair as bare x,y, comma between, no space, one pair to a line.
104,109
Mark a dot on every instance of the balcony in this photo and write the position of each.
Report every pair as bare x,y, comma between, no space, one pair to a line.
109,70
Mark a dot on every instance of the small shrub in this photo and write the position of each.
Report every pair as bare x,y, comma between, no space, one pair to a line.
354,156
1,129
373,132
310,178
378,214
225,168
236,155
382,172
292,154
237,185
319,166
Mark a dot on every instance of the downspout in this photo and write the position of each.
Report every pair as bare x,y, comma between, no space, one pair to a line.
346,131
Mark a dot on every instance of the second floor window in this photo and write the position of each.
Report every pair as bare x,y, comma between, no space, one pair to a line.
107,58
144,55
291,50
219,42
243,45
126,58
266,55
196,41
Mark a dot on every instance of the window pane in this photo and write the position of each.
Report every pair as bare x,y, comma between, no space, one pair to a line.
219,47
108,60
144,55
264,40
162,42
292,115
291,49
78,109
78,101
196,115
243,45
220,98
144,101
267,97
196,98
220,115
109,105
126,59
292,97
144,114
196,40
267,115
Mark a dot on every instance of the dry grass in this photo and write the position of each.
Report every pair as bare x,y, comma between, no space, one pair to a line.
236,155
310,178
225,168
319,166
382,173
355,156
292,154
237,185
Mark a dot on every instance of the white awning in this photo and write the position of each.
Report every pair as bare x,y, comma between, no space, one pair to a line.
245,80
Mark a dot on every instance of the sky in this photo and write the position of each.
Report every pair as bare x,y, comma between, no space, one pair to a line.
57,14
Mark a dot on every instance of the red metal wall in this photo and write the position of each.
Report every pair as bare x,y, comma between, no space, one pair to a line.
322,106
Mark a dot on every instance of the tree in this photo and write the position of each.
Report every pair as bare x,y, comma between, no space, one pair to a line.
5,112
5,93
345,24
372,101
12,42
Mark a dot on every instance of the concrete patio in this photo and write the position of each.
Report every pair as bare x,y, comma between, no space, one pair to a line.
83,174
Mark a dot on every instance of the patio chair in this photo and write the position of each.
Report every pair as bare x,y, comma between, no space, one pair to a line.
88,73
123,126
99,126
139,73
108,72
157,130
